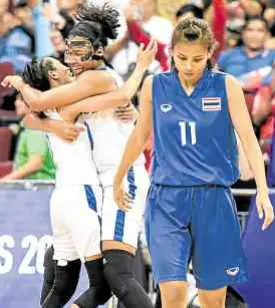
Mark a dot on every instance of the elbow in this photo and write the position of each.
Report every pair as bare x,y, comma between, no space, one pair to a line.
36,105
123,99
126,101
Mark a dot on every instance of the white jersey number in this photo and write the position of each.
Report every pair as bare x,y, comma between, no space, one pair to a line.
192,129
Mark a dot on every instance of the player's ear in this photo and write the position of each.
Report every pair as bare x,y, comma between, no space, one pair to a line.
212,50
53,75
99,53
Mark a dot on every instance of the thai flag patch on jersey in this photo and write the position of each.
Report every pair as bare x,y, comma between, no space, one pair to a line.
211,104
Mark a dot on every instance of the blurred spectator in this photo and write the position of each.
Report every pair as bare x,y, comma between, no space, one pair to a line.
70,6
233,32
60,29
242,8
269,15
252,64
43,45
167,8
189,10
23,11
32,158
58,43
16,40
143,23
145,11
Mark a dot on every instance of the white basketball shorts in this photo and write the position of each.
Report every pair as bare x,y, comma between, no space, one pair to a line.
116,224
75,221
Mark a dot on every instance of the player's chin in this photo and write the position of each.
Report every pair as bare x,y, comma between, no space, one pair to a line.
77,70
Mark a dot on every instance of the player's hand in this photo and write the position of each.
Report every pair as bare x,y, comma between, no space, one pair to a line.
12,81
146,55
122,199
66,131
126,114
265,209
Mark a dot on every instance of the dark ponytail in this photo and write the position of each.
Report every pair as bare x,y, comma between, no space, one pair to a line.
36,73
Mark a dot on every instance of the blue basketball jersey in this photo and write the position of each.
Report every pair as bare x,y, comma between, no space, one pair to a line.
194,139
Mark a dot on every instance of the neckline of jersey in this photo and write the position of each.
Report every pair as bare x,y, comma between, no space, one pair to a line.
198,87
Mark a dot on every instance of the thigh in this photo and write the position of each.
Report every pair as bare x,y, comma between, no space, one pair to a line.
167,219
62,242
123,226
77,227
83,223
218,259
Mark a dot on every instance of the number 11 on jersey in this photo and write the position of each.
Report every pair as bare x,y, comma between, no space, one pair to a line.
192,129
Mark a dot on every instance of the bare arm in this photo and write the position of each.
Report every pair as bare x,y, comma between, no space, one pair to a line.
245,170
244,128
62,129
121,96
89,83
136,142
32,166
32,121
242,123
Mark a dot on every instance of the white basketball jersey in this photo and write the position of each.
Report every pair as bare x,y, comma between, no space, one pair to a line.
74,161
110,135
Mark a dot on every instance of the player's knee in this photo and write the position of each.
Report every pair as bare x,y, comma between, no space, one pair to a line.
99,291
49,265
212,299
174,294
66,279
118,271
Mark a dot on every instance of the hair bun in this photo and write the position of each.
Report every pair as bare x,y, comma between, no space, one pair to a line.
106,16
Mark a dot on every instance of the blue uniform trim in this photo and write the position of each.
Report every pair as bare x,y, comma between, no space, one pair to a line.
119,227
90,197
89,135
131,181
120,217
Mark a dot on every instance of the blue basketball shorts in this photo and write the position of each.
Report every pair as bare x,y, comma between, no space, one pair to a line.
197,224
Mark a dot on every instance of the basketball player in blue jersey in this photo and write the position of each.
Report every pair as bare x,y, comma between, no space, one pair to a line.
85,56
190,212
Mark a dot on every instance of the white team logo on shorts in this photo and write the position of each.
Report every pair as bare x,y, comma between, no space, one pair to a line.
233,271
166,107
